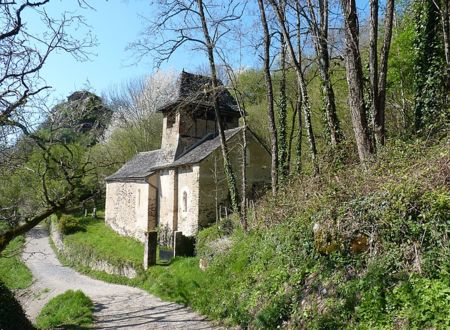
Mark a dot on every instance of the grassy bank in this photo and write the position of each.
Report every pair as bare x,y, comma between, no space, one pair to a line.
354,248
13,272
91,237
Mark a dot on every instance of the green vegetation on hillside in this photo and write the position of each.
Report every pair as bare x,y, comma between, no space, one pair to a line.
13,272
70,310
354,248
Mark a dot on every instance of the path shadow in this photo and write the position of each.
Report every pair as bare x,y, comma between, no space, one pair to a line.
38,232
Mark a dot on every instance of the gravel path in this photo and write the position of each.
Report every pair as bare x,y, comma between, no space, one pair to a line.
116,306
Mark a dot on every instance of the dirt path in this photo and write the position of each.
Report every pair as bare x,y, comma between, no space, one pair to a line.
116,306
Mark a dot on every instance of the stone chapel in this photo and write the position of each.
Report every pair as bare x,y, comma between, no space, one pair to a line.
181,186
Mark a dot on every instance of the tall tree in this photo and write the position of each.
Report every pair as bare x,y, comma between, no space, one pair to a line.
429,68
283,163
319,28
270,98
378,74
380,116
355,80
296,60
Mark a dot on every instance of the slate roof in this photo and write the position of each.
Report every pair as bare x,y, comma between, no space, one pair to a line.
196,89
145,163
140,166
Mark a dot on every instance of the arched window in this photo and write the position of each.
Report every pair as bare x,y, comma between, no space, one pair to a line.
184,201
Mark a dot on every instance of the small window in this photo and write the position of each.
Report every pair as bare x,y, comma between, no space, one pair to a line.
184,201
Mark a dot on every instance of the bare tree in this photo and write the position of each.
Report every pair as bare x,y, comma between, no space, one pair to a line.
297,63
270,99
378,74
318,24
24,52
283,162
355,80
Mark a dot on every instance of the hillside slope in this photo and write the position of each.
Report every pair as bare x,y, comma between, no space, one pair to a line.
354,248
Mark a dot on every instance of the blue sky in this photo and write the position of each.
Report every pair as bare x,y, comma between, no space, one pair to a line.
115,23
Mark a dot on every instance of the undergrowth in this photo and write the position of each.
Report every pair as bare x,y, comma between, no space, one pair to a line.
355,248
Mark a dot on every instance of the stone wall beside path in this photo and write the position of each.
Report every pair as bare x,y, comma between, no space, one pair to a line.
88,260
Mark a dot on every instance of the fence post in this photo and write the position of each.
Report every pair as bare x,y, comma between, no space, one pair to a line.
150,244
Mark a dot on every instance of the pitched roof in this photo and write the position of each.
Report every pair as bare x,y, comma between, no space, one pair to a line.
196,89
145,163
140,166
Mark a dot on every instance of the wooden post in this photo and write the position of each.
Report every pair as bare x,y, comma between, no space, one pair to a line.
150,245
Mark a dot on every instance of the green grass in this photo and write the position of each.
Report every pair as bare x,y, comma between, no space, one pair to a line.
102,243
13,272
72,309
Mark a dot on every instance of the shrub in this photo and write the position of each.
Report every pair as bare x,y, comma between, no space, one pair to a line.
69,224
70,308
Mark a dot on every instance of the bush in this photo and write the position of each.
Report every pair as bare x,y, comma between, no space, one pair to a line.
69,224
72,308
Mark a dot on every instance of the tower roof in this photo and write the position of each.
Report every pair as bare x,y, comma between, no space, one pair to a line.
196,90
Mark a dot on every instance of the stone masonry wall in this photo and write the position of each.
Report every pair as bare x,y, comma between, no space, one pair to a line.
188,199
127,205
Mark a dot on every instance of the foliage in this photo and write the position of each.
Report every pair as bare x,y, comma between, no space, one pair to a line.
13,272
429,68
72,308
11,312
53,167
275,276
400,82
69,224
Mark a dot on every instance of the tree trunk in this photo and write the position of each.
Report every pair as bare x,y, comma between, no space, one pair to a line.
320,38
302,84
270,110
231,180
379,117
291,134
355,80
282,114
373,64
298,150
244,221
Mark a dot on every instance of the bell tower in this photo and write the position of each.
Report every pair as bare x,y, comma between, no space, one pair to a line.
191,117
